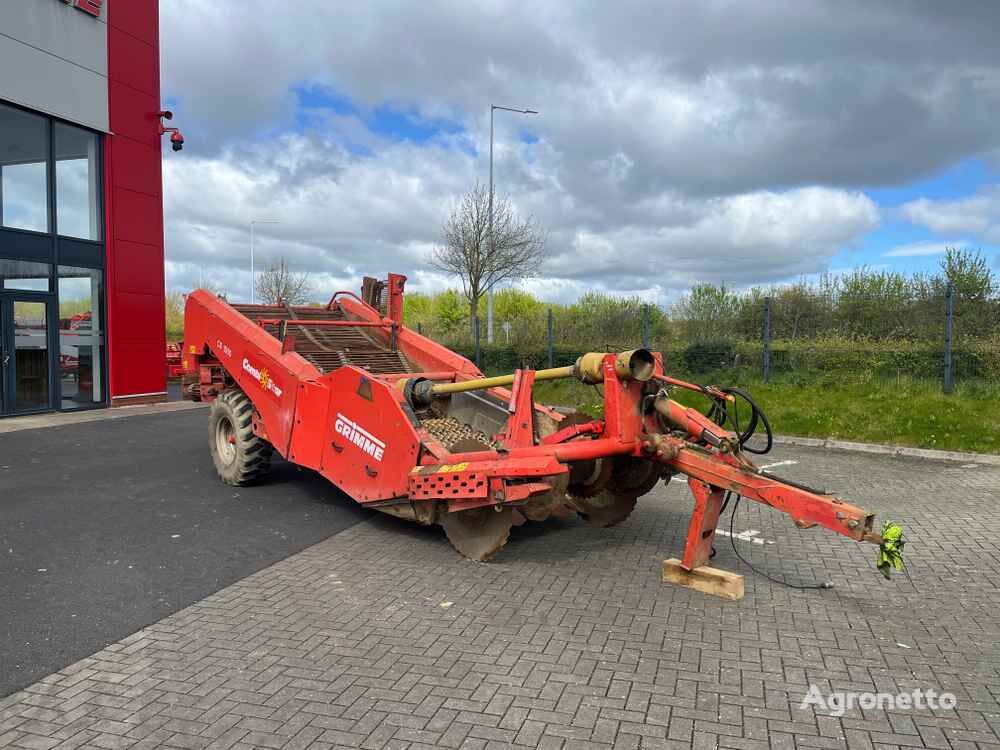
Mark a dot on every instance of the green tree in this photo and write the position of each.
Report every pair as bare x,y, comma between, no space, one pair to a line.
970,273
175,316
513,304
450,312
875,304
418,308
799,311
708,312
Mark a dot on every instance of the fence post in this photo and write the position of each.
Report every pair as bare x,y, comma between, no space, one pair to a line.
645,326
551,342
476,337
766,336
949,319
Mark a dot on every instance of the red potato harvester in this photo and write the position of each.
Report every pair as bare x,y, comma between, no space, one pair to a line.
410,428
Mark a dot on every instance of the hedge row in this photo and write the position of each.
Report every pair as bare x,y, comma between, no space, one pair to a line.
871,358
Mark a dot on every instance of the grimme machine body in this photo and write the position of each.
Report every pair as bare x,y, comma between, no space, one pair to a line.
410,428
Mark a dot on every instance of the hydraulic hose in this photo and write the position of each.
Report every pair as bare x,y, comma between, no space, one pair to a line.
721,411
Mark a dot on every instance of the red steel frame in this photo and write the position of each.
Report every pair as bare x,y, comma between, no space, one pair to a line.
357,430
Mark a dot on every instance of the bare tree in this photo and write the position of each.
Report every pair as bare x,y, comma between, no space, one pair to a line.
517,250
278,284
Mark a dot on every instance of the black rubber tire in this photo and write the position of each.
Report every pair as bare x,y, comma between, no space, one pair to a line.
240,456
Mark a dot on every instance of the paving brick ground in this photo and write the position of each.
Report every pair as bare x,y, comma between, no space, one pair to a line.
382,637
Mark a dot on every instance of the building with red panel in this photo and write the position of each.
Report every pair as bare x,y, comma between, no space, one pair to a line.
81,205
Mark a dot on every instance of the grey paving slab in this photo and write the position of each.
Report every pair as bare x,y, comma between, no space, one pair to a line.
382,637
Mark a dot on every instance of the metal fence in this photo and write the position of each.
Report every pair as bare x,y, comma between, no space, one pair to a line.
939,334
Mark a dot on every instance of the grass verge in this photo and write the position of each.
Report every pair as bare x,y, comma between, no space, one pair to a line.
900,411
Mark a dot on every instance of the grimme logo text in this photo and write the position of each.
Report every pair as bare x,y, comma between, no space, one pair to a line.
360,437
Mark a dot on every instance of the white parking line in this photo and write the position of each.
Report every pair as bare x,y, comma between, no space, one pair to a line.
750,535
778,463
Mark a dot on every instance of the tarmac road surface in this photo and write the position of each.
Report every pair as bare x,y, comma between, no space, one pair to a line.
108,526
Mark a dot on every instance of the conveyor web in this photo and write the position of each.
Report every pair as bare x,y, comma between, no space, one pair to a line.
330,347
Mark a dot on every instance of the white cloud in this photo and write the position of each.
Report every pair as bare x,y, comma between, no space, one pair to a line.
918,249
676,142
344,216
978,215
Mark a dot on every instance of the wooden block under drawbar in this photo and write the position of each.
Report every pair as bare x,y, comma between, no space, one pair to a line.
704,579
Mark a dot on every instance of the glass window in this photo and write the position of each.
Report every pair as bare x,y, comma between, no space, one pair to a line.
78,187
31,356
81,336
24,176
24,275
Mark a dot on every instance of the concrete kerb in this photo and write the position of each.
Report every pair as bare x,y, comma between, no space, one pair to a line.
889,450
61,419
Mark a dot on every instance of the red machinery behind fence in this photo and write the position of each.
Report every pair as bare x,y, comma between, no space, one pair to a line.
174,360
407,426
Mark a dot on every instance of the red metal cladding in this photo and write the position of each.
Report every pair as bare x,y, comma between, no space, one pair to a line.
306,447
133,199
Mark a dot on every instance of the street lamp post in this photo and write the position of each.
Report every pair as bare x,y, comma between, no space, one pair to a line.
253,280
489,294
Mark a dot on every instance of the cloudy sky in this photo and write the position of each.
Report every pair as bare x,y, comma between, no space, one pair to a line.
728,142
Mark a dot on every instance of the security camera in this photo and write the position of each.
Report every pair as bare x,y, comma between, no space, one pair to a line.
176,137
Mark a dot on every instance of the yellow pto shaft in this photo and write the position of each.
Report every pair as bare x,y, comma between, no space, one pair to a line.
636,364
555,373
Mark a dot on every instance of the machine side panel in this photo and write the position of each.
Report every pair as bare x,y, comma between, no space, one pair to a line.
370,446
310,426
251,356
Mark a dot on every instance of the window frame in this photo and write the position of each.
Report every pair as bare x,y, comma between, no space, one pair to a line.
54,190
48,247
12,290
49,174
105,348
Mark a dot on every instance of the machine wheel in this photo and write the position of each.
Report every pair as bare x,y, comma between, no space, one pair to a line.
551,503
591,493
480,533
635,476
240,456
604,509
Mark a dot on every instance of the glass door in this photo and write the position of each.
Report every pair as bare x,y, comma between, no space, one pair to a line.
6,355
25,358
